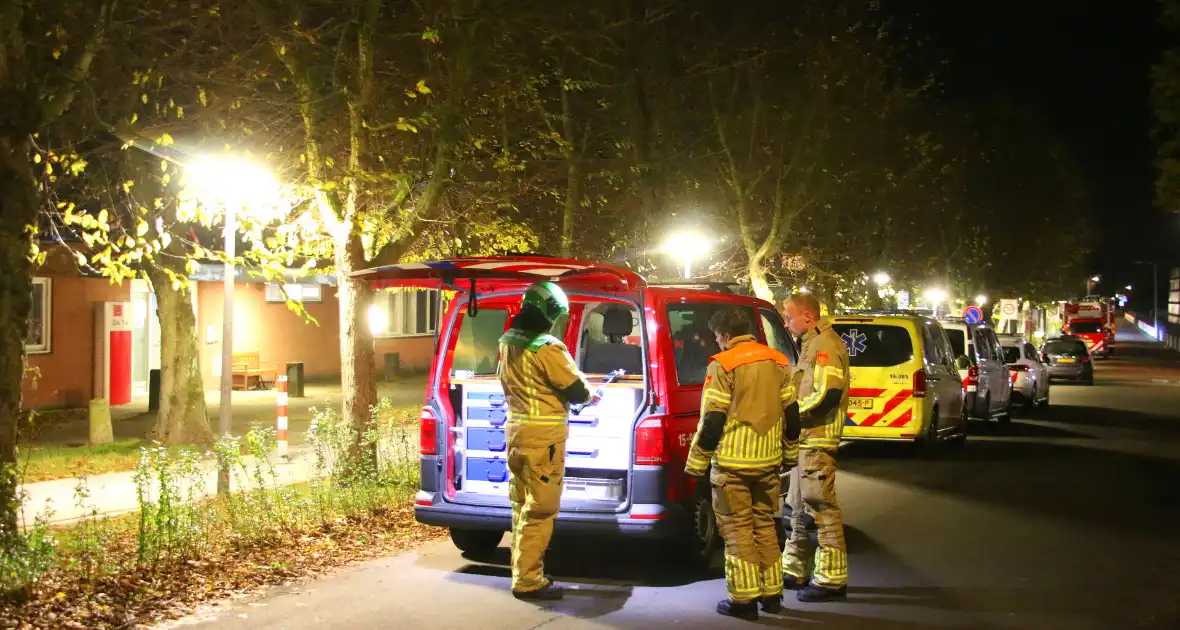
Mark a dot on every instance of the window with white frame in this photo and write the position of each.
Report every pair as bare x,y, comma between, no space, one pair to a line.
37,339
404,313
295,292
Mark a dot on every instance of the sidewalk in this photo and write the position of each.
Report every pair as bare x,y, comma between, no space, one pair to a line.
116,493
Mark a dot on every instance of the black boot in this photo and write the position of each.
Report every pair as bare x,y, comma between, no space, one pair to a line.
772,604
813,593
792,583
747,611
547,593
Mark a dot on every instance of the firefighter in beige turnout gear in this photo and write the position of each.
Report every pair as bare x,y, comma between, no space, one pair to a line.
821,382
747,392
540,380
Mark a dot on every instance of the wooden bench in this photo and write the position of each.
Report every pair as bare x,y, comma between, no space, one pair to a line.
247,367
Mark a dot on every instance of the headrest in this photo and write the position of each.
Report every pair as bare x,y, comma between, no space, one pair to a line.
617,322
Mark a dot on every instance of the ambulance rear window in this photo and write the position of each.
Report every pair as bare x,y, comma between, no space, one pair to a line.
876,345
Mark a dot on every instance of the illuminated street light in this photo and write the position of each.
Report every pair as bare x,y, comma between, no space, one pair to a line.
1128,287
686,247
936,296
981,300
1096,279
233,185
803,289
881,278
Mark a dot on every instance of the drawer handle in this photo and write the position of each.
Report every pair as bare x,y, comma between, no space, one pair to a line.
497,422
497,446
499,477
591,454
586,422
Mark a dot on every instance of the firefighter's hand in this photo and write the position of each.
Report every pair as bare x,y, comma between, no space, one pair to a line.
595,396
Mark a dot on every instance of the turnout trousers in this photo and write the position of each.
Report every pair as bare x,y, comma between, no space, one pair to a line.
744,503
535,475
813,489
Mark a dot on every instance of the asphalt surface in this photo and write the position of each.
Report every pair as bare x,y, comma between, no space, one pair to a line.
1069,518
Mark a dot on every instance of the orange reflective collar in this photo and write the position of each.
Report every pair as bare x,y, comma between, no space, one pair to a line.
749,352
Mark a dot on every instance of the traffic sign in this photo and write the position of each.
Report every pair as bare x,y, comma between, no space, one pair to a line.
1008,308
972,314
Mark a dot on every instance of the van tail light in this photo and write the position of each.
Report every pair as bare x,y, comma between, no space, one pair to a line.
1015,370
649,442
972,379
920,384
427,432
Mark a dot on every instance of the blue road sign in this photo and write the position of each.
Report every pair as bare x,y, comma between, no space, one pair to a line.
972,314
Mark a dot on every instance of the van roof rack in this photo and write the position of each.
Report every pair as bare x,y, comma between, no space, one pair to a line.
723,287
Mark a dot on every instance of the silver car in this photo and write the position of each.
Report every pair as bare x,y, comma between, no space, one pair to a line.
1030,377
1068,359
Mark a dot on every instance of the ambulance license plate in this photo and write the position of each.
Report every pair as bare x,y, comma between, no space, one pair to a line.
1065,360
861,403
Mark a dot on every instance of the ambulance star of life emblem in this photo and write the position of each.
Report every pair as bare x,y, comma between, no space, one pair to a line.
855,341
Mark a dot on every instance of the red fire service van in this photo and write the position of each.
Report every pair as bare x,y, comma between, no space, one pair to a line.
625,455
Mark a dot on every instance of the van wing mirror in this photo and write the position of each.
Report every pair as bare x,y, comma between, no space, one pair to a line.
962,362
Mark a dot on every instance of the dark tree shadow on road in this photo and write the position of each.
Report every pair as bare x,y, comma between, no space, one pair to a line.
1023,428
1114,418
1050,479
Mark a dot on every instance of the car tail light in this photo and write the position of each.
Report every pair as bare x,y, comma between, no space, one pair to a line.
920,384
1085,359
1015,370
972,379
427,432
649,442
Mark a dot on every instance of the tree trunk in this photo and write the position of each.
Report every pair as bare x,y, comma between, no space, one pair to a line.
18,210
183,417
758,281
573,186
357,357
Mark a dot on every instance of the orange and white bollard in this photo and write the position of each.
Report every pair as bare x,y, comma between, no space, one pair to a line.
281,411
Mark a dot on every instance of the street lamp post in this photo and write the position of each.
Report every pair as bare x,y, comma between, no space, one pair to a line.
225,411
1155,296
230,184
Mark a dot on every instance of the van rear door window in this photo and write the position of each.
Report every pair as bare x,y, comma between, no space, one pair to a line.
876,345
478,345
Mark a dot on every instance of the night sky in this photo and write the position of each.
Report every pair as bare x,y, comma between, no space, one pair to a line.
1086,72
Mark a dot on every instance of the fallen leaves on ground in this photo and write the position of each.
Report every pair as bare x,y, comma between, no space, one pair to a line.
146,596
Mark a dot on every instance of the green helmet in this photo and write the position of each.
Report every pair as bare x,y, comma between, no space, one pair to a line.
547,298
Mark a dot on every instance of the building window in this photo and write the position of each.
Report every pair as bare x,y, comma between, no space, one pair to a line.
37,340
295,292
404,313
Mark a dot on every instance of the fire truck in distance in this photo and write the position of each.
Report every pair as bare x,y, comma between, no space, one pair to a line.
1092,319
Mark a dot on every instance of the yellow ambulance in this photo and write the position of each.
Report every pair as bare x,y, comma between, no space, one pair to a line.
905,380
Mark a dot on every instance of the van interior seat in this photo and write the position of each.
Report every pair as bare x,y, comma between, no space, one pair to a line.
602,358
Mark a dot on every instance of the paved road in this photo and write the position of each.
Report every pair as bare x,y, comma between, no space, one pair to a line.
1070,519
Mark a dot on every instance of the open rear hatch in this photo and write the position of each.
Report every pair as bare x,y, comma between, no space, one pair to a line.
466,394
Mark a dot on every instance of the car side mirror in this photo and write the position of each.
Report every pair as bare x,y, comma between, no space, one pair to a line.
962,362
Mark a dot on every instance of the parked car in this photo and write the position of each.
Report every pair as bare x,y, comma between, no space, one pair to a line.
986,380
905,382
1030,377
625,455
1068,359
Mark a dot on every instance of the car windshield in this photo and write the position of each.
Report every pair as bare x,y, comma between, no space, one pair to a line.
1011,354
1085,327
875,345
1064,347
958,341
